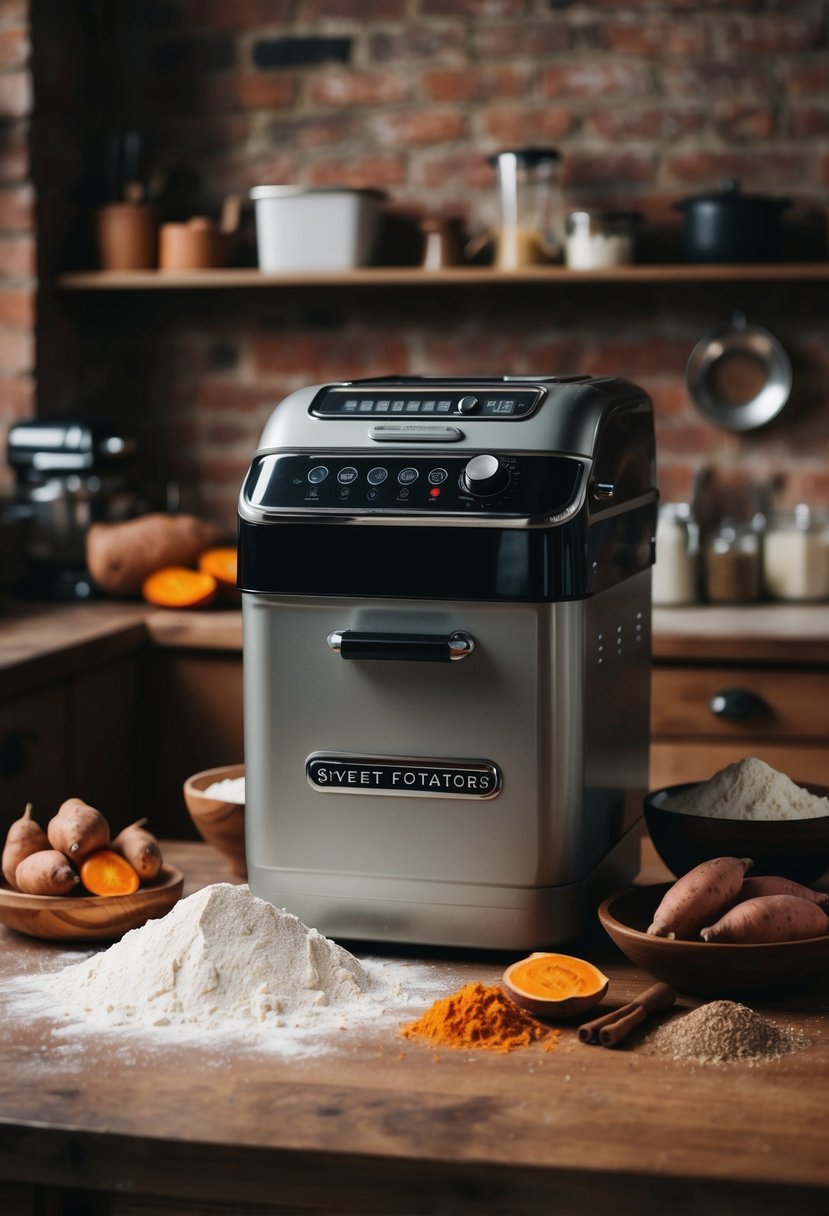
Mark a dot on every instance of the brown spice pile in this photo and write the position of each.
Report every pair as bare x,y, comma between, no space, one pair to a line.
724,1032
479,1015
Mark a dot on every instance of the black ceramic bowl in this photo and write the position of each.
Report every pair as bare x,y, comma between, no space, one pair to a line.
791,848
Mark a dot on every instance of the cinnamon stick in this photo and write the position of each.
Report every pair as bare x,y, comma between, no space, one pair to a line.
617,1025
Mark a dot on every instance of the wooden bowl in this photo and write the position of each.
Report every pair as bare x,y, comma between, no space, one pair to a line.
89,917
711,969
221,824
792,848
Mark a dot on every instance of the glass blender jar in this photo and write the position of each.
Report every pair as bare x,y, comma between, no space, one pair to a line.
530,195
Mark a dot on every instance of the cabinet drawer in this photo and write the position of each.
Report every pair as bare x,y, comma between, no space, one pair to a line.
33,755
780,704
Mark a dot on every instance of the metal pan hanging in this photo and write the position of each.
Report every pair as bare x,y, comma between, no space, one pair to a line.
739,375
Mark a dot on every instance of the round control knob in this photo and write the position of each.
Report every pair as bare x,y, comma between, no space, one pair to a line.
467,404
485,476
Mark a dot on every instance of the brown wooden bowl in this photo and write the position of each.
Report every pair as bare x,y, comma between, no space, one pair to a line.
89,917
712,969
792,848
221,824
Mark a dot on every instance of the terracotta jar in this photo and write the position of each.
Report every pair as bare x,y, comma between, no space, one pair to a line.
127,236
197,244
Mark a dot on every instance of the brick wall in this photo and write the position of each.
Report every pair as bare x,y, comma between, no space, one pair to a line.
647,101
17,239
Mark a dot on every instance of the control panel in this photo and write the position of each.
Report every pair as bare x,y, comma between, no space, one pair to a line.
437,484
430,402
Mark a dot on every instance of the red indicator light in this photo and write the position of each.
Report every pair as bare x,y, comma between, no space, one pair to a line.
434,492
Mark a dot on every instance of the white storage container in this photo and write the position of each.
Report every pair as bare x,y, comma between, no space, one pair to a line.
300,228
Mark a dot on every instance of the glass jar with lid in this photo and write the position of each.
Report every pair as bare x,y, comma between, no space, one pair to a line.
675,572
733,564
796,557
596,239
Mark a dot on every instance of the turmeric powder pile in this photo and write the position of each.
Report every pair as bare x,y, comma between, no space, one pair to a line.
479,1016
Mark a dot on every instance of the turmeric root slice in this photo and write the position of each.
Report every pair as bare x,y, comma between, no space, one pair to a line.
108,873
179,587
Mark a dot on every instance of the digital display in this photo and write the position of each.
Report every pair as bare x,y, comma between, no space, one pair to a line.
487,402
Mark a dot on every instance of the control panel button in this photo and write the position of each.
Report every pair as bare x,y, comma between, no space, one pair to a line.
467,404
347,475
407,476
437,477
376,476
485,476
317,474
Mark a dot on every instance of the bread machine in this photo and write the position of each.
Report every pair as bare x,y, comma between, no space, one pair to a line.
446,615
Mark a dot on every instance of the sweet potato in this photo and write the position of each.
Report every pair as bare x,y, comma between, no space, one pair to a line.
769,918
140,848
46,873
78,829
107,873
179,587
24,837
699,896
222,563
769,884
120,556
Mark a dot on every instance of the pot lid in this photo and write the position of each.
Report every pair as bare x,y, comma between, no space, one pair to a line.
730,193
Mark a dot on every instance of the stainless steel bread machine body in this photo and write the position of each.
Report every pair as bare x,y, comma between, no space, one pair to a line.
446,617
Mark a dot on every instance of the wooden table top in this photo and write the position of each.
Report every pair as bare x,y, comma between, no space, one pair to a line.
375,1123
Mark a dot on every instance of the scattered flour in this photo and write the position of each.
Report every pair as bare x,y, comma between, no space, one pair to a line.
231,789
224,962
749,789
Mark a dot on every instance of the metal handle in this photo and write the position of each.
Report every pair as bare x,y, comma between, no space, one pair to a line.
737,705
401,647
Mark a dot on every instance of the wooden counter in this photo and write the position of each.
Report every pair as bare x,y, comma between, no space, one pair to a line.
376,1124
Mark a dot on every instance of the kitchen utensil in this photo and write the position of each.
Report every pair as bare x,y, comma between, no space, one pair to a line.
729,226
739,375
676,571
598,239
220,823
199,243
300,228
732,564
612,1028
530,199
443,242
89,917
796,555
446,604
792,848
127,236
709,969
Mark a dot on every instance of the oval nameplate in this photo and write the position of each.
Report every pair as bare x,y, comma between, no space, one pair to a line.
343,773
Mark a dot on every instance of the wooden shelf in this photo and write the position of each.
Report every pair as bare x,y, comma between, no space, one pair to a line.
413,276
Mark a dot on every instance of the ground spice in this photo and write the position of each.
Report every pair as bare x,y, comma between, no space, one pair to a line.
724,1032
479,1016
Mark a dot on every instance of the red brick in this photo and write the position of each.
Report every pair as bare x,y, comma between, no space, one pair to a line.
203,135
531,38
802,76
608,168
18,258
17,306
14,47
810,121
805,485
736,120
770,34
701,438
228,435
675,478
598,76
14,153
463,169
383,171
432,42
16,352
505,353
762,166
229,91
323,356
511,127
636,357
218,396
473,85
411,128
709,78
16,11
657,122
669,396
474,8
242,174
337,87
16,209
652,36
352,10
314,131
17,399
15,95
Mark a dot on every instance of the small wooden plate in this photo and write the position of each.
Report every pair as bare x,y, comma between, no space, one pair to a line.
89,917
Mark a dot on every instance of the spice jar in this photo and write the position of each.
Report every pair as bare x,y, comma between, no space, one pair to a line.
732,565
594,239
796,558
675,571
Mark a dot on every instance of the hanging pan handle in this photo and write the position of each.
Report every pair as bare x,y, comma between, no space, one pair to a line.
401,647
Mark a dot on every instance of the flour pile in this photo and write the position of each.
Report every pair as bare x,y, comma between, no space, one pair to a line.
749,789
221,959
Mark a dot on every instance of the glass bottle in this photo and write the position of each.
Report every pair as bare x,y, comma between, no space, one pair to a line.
676,570
796,557
733,565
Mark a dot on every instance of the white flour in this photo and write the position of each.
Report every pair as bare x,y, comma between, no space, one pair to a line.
749,789
230,789
222,961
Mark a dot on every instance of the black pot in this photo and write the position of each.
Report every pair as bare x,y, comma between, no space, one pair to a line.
730,226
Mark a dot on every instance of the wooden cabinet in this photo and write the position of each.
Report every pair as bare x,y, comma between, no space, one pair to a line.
707,715
33,751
